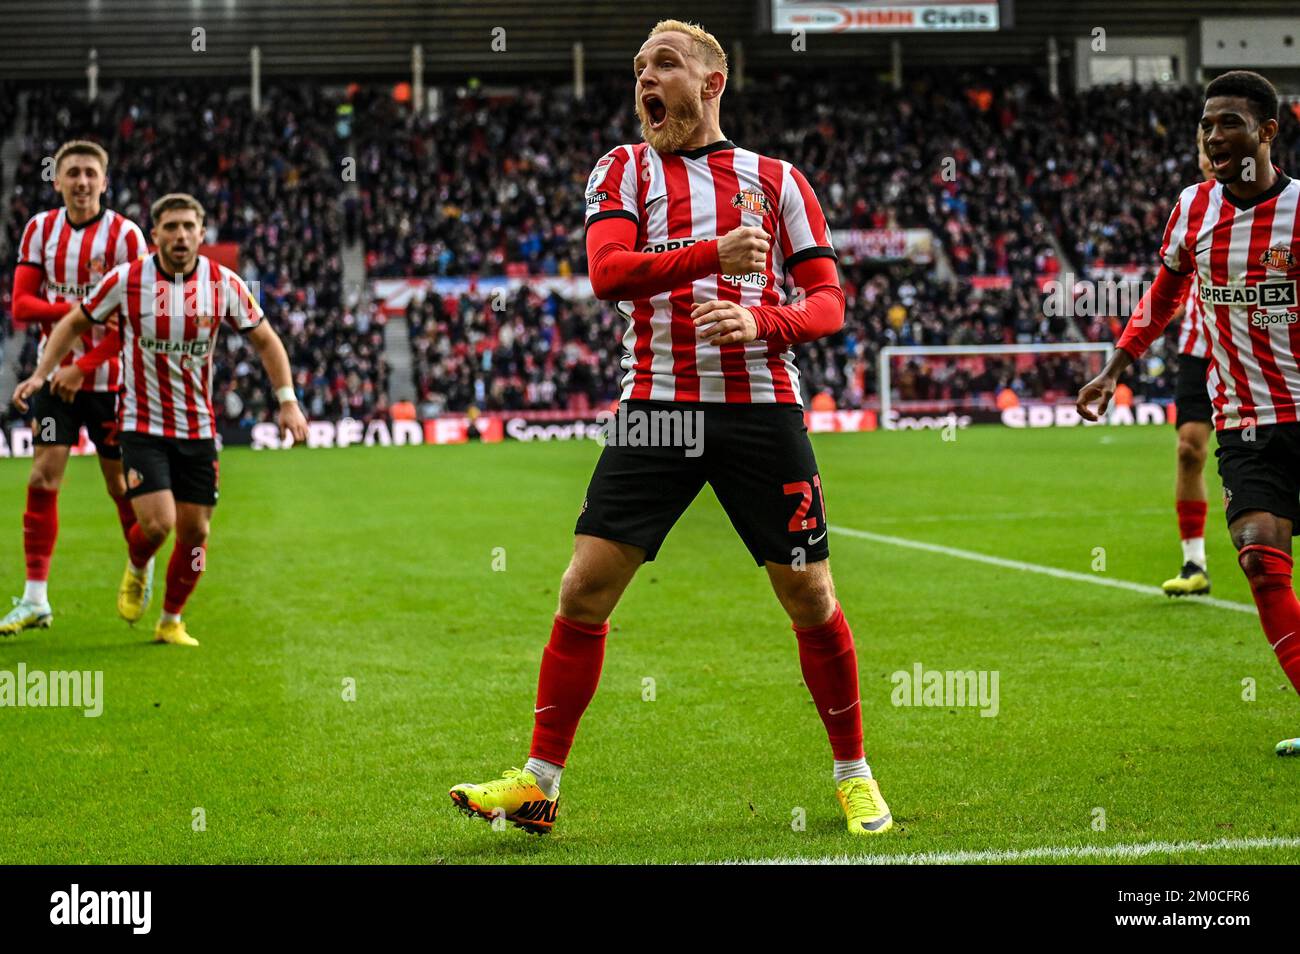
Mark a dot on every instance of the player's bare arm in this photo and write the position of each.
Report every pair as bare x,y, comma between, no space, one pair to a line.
65,334
1101,389
270,349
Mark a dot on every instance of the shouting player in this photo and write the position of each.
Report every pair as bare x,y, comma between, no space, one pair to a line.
1239,234
697,237
1193,422
62,254
171,306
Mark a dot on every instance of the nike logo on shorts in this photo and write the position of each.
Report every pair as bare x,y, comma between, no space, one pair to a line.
817,539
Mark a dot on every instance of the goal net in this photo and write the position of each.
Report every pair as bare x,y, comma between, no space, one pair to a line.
981,380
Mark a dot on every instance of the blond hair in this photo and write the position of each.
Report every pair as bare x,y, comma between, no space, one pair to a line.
172,201
81,147
707,48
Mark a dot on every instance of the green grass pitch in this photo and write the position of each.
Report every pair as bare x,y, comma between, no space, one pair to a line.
377,565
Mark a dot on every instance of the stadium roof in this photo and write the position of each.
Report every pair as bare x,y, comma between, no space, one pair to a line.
347,39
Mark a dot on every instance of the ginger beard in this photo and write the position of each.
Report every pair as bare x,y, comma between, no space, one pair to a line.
678,125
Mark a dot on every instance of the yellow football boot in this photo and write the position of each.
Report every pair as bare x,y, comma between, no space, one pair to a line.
134,593
514,797
174,633
864,806
1192,581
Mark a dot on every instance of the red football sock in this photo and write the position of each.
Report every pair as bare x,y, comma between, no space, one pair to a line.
125,515
830,670
570,673
183,572
40,529
1279,610
140,546
1191,519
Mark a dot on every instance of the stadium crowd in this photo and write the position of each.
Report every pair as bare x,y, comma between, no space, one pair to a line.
999,171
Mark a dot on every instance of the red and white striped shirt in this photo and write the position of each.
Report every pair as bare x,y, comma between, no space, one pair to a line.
697,195
73,258
1246,257
1193,339
169,331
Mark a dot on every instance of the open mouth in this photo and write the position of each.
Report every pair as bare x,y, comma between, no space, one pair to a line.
1220,159
656,109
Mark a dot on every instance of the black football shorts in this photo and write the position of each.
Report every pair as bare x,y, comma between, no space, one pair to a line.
1261,471
1191,397
56,421
756,457
188,468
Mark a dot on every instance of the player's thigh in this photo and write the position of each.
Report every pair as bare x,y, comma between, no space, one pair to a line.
762,467
1260,470
98,411
114,479
195,472
639,491
146,465
49,463
1191,396
155,511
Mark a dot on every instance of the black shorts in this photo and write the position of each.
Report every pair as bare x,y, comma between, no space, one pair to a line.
756,457
56,421
1191,397
1263,473
188,468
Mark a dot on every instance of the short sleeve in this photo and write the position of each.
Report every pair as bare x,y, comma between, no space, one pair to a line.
130,243
31,250
611,187
1173,247
804,233
240,308
107,296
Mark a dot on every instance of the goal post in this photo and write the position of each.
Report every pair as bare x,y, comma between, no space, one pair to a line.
890,352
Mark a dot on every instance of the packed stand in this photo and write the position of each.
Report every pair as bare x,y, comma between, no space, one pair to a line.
269,182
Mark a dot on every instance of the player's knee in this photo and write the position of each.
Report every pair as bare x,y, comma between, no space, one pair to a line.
808,598
1191,455
585,597
156,526
192,535
44,479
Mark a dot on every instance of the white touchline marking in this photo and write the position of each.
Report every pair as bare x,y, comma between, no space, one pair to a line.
1020,515
1132,850
1044,570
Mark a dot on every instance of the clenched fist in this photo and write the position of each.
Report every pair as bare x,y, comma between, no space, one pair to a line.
743,250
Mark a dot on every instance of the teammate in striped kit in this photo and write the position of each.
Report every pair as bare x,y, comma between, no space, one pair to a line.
1239,235
696,238
171,305
1194,416
61,255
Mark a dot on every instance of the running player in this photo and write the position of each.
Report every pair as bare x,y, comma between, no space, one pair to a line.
1240,236
62,254
172,305
697,237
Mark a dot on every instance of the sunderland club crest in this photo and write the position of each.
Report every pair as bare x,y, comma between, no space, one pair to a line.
751,200
1279,257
